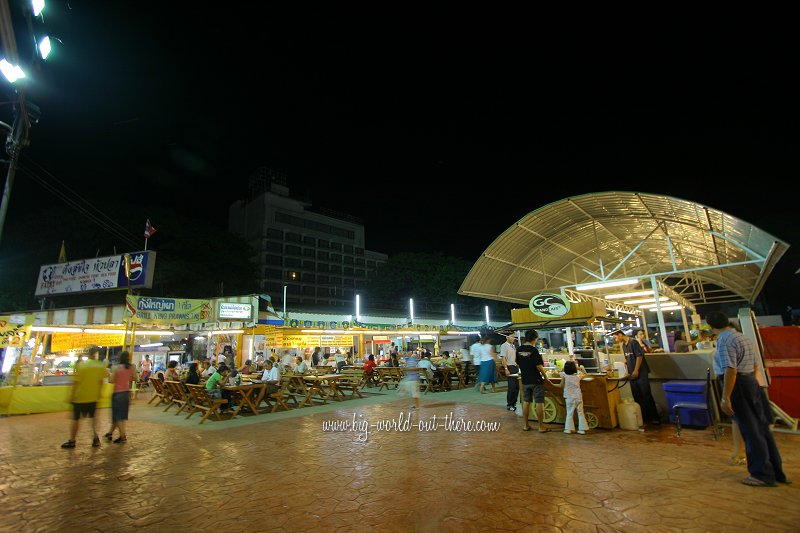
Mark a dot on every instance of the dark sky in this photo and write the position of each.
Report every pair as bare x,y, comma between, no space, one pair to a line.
439,129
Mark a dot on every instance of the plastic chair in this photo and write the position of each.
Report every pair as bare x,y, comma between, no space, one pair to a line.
709,407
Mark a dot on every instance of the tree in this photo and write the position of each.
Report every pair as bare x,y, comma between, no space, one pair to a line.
432,279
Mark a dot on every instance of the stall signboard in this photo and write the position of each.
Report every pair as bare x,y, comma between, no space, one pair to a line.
97,274
313,341
144,309
65,342
234,311
13,330
548,305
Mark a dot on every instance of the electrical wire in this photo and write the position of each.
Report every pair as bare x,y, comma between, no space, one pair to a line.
80,204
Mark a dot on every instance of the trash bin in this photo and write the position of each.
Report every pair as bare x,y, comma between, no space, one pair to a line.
690,392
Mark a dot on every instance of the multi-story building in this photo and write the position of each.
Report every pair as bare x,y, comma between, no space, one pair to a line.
318,254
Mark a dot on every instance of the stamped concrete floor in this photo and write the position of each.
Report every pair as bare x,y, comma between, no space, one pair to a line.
283,472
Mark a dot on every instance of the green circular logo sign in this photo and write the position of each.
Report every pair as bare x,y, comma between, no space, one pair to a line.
548,305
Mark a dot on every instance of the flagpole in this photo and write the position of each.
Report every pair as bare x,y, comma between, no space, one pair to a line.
145,244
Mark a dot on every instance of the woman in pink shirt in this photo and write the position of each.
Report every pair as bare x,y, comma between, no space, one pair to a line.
121,377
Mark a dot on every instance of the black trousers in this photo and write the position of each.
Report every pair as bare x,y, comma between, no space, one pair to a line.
644,397
513,387
466,372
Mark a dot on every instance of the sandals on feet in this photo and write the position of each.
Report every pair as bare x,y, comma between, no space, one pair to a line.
68,444
755,482
526,428
109,436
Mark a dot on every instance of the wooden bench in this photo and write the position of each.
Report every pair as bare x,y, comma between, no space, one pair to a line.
389,376
204,402
179,395
350,379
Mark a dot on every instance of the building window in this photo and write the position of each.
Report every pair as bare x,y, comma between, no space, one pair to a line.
323,256
348,248
336,246
359,251
322,267
308,290
336,281
360,262
322,243
292,250
336,258
309,265
309,252
348,260
336,269
274,233
360,273
370,264
273,247
291,275
348,282
311,241
291,262
308,278
348,271
323,280
272,273
275,260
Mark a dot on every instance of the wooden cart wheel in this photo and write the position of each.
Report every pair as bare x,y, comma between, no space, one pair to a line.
550,410
591,420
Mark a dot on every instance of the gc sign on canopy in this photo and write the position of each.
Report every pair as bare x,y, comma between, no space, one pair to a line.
548,305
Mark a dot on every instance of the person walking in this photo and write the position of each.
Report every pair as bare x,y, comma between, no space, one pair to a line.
508,357
488,370
122,376
734,362
86,388
474,358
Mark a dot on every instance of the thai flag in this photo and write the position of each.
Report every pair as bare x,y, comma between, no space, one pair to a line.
148,229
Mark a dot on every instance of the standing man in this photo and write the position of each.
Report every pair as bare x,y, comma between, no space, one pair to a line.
531,368
475,352
315,357
508,357
638,376
86,388
734,362
147,367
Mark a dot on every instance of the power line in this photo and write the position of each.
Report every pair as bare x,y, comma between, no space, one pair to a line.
80,204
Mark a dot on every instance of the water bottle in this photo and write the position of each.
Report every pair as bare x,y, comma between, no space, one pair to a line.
239,379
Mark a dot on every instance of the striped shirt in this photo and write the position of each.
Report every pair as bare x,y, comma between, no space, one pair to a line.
734,350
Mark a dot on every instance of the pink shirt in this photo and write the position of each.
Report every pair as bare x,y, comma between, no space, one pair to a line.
122,378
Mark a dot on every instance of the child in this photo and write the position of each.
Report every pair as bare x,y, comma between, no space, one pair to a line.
571,383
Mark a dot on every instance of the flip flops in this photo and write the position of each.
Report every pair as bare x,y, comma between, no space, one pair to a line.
526,428
755,482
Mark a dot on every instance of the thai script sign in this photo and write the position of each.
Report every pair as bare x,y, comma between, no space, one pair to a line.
235,310
64,342
143,309
13,330
547,305
97,274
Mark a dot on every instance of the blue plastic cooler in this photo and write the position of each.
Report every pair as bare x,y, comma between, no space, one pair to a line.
687,391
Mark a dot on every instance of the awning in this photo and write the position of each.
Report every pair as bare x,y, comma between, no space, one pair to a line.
701,253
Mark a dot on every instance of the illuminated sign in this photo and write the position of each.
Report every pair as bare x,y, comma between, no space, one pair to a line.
547,305
235,310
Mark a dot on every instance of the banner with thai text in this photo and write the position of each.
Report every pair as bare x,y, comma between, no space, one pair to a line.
147,310
97,274
64,342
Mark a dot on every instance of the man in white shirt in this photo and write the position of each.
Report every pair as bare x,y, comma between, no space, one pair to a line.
508,357
425,362
271,377
208,371
475,353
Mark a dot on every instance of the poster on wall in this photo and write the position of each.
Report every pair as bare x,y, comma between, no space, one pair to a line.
14,330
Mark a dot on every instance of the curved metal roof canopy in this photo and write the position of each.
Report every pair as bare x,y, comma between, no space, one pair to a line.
702,254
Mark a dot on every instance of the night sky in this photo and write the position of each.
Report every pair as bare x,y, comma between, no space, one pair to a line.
439,129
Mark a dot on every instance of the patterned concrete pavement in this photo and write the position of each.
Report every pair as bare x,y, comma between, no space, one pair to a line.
284,472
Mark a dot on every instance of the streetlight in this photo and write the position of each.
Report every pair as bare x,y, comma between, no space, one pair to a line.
358,308
411,307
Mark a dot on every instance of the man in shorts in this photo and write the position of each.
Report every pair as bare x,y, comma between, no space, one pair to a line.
531,368
86,388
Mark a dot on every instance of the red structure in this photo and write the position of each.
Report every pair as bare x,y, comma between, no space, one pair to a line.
782,358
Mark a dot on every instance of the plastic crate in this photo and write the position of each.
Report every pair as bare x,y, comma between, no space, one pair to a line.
687,391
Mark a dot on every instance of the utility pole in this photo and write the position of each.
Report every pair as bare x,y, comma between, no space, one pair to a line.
18,136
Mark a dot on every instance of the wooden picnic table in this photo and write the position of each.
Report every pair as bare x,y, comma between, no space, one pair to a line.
246,394
318,382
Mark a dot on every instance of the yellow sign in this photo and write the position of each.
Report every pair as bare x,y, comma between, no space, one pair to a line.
64,342
144,309
13,330
312,341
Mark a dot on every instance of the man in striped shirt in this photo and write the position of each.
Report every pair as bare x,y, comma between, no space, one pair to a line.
734,363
